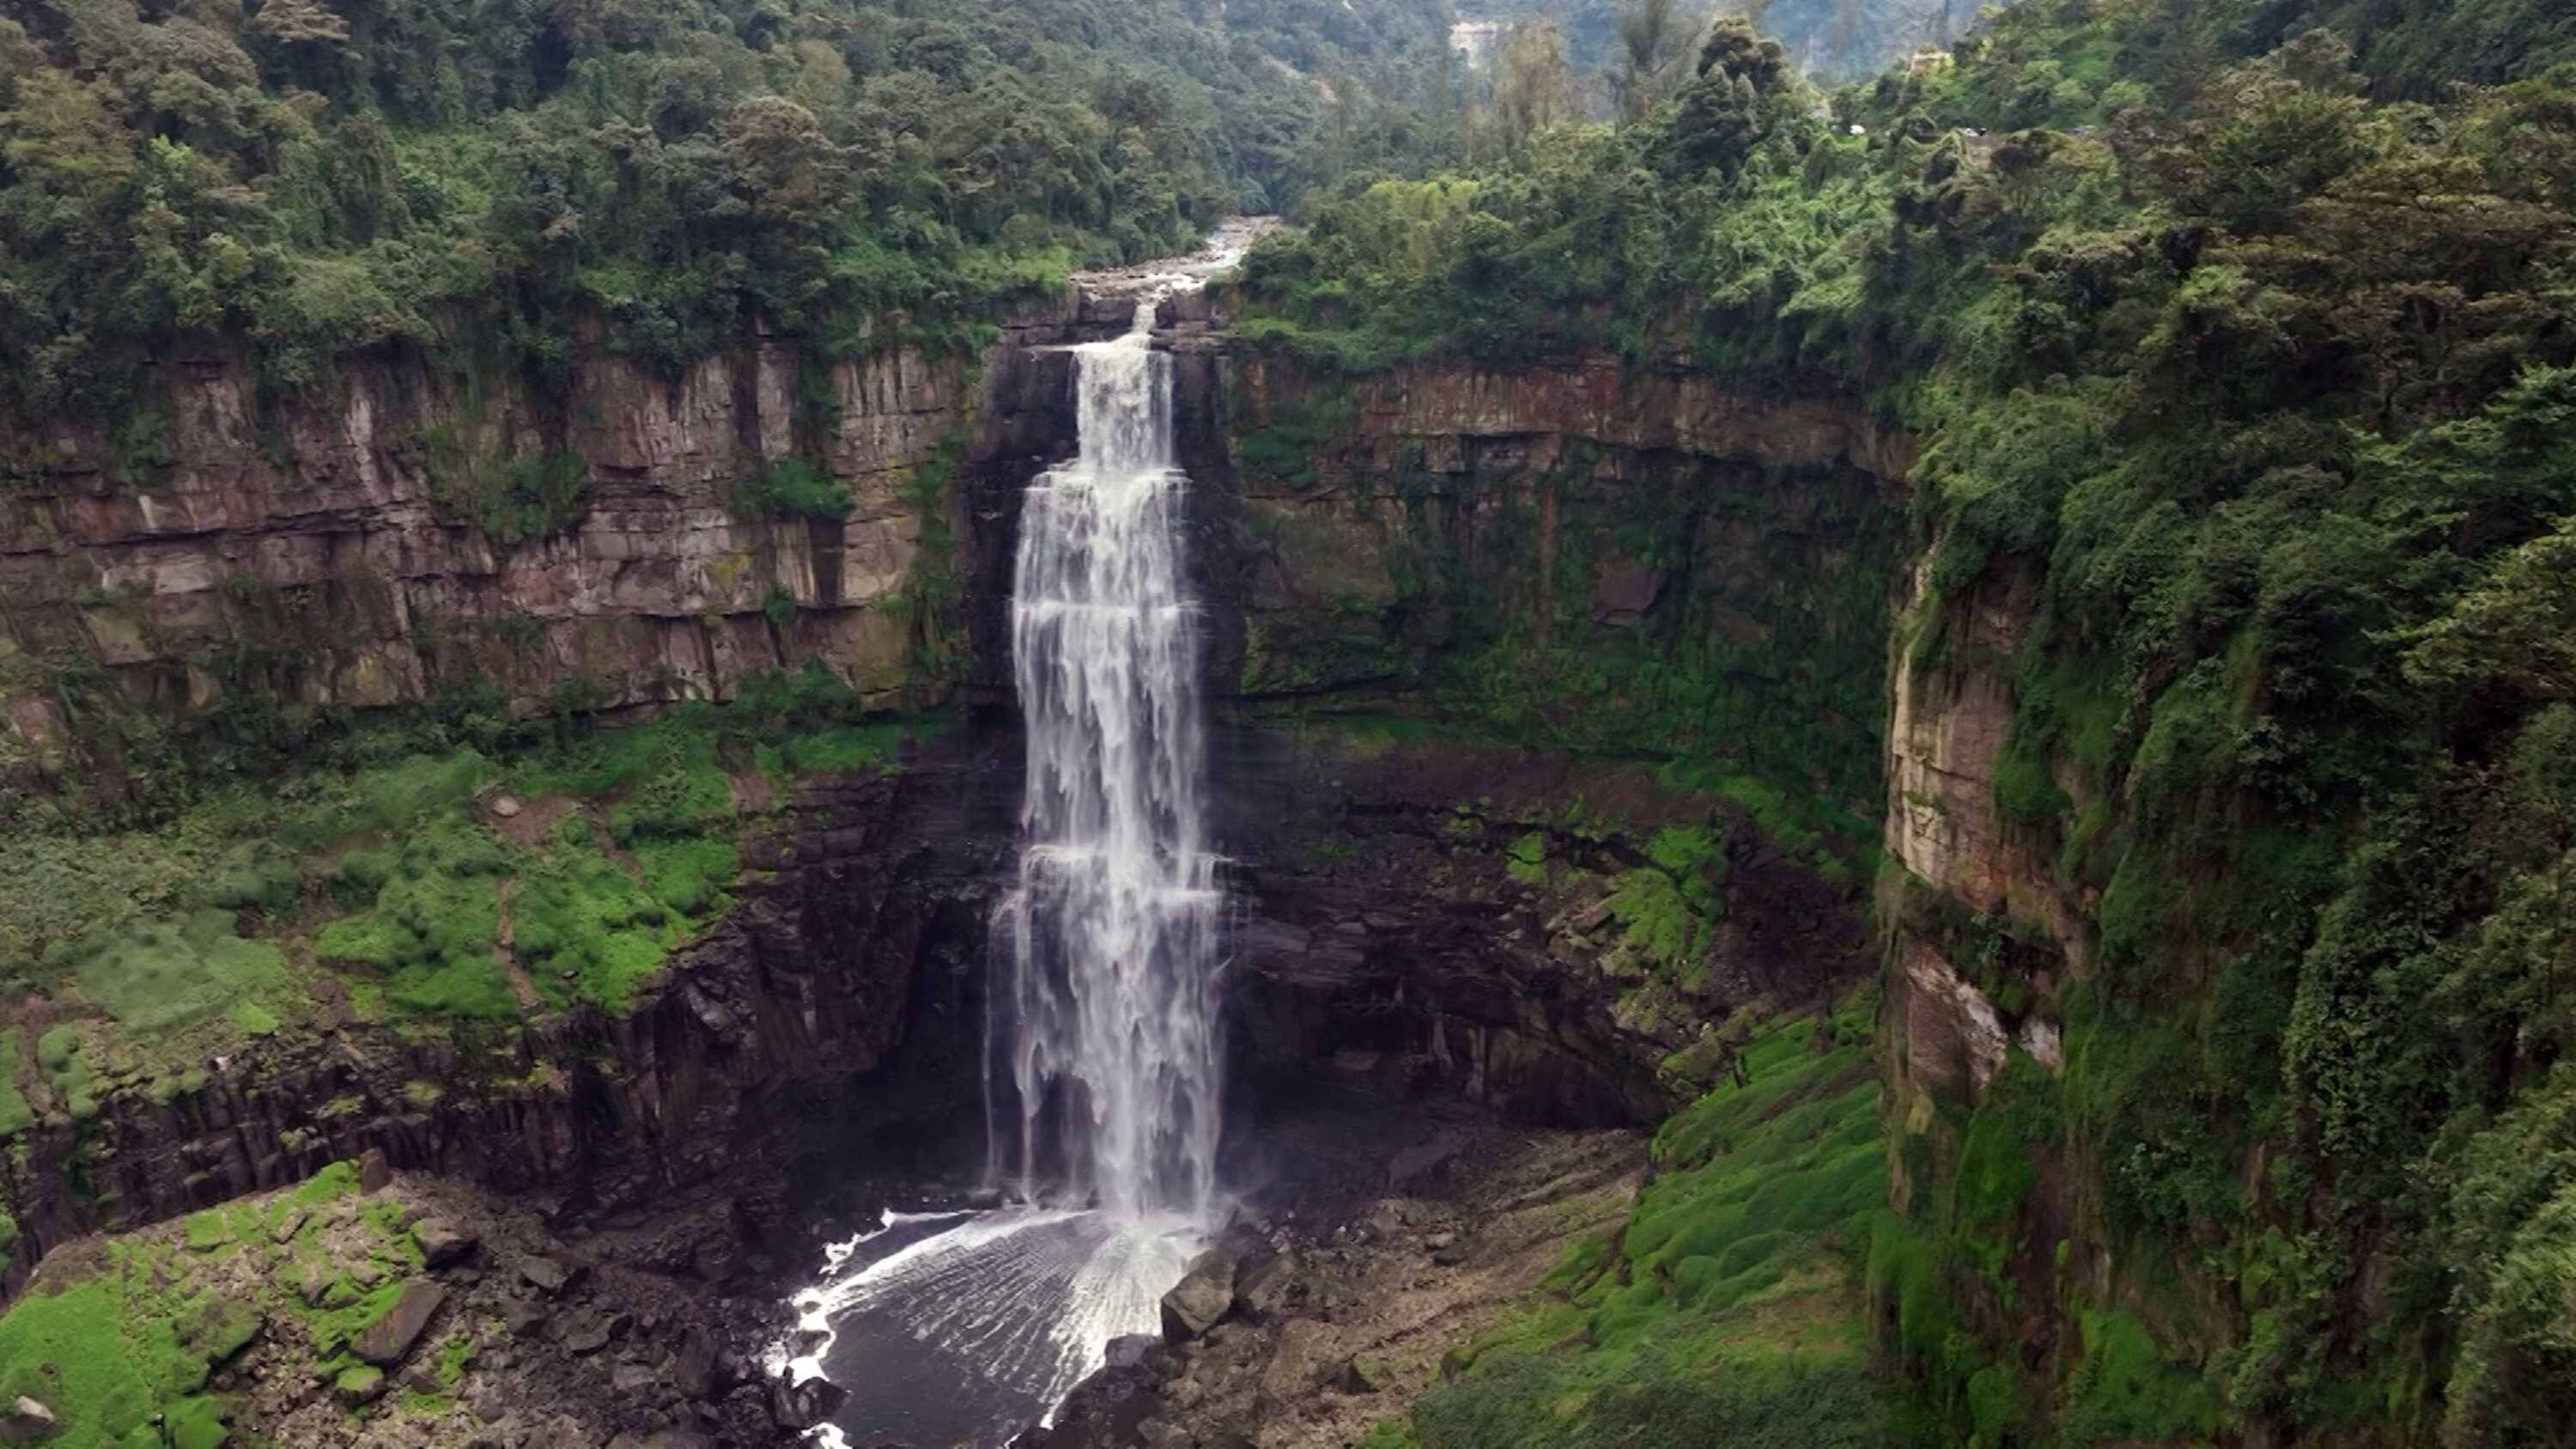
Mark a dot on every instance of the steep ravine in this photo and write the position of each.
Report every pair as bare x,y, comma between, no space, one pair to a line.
1423,913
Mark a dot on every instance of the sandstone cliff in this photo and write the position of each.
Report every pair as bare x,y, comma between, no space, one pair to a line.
332,546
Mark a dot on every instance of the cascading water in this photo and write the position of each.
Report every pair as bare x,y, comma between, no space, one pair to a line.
1104,1122
1113,929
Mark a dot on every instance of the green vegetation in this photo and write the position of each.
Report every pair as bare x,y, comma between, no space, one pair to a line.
160,975
793,488
2243,388
1727,1311
115,1334
400,889
110,1352
317,181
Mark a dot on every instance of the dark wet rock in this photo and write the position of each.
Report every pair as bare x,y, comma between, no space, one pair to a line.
1262,1289
584,1335
1622,592
390,1337
1128,1350
443,1244
694,1367
375,1171
1423,1160
805,1405
1202,1299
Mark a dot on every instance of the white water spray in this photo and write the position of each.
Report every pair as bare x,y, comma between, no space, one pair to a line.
1103,1016
1111,1032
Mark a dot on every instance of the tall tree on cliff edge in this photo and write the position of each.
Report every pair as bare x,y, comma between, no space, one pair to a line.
1533,86
1651,36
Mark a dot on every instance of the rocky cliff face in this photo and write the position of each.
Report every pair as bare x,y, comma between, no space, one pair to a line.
333,547
1951,718
1642,561
1422,913
1584,557
1441,915
829,1017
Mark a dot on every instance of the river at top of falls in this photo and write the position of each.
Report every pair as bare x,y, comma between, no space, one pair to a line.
1104,1113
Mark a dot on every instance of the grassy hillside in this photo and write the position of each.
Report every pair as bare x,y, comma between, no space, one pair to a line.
1728,1310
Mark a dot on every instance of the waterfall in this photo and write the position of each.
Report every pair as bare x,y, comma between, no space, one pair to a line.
1104,1100
1112,932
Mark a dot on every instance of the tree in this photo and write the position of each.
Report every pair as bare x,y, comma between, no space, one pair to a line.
1649,35
1734,103
300,22
1533,89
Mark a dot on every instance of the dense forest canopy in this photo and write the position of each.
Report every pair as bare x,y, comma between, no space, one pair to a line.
1834,40
2241,340
316,177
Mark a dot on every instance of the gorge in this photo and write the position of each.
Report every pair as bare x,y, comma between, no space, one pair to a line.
1708,760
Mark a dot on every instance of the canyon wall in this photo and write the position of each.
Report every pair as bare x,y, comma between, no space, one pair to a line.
1439,908
828,1020
335,547
1540,574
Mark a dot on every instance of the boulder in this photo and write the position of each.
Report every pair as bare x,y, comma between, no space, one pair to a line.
387,1339
1128,1350
694,1367
1202,1299
586,1334
359,1384
804,1406
27,1422
547,1274
375,1172
442,1243
1359,1376
1261,1290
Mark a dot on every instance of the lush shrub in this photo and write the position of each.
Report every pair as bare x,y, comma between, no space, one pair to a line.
794,488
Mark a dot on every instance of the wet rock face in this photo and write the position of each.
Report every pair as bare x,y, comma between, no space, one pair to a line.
1389,938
